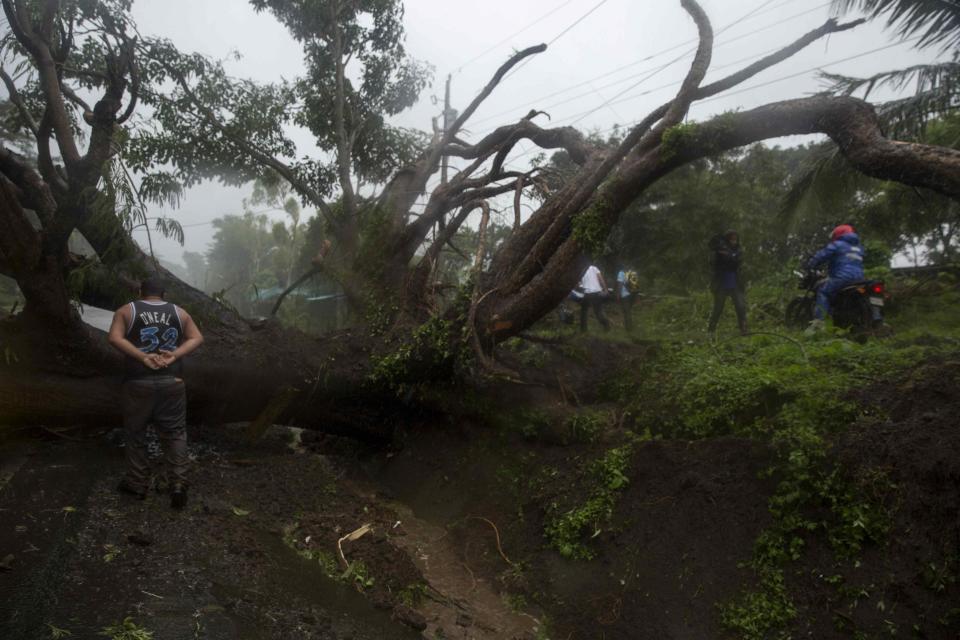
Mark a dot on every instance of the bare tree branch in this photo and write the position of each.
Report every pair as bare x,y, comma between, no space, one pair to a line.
35,192
293,287
19,242
589,179
567,138
74,98
852,124
516,203
414,183
47,71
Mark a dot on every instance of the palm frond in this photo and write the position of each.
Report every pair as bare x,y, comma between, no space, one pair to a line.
826,177
908,118
936,93
936,21
925,77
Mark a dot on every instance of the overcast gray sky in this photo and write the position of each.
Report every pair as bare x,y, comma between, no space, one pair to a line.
613,51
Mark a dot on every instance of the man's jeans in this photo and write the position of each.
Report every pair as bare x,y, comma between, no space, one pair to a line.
162,401
739,304
593,301
825,294
626,306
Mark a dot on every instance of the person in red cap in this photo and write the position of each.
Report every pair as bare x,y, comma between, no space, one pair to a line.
844,258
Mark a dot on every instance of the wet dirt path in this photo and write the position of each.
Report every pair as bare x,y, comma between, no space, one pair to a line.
254,555
85,557
457,598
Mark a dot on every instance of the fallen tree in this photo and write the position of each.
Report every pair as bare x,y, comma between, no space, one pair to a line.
384,256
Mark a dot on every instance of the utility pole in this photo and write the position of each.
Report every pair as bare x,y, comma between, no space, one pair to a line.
449,117
447,120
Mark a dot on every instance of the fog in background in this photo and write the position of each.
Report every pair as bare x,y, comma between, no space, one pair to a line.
614,52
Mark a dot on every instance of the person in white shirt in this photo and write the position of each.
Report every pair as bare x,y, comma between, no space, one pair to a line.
594,291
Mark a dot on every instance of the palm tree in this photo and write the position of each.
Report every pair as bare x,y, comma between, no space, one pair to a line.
935,24
935,96
938,21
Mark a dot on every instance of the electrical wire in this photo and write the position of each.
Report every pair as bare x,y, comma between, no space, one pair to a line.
651,57
512,36
667,65
745,89
559,35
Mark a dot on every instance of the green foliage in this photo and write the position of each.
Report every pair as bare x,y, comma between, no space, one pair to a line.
428,353
385,80
413,594
327,562
677,137
253,257
665,234
761,614
793,393
591,230
529,423
128,629
56,633
358,573
587,425
607,477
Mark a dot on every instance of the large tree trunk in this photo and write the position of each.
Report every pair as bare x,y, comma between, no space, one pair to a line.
60,371
284,375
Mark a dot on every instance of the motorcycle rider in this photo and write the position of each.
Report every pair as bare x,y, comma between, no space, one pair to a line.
844,255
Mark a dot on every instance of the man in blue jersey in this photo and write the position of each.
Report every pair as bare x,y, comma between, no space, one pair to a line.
154,336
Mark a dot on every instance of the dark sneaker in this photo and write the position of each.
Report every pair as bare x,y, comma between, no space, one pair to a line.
127,488
178,496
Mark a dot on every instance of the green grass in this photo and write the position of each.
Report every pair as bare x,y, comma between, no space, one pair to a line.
795,393
127,629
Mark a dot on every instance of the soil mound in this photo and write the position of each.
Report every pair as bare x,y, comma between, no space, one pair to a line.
686,520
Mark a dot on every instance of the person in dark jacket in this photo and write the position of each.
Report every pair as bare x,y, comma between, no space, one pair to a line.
727,281
844,258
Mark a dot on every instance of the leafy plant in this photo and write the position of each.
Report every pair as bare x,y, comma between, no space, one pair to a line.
56,632
128,629
358,573
608,476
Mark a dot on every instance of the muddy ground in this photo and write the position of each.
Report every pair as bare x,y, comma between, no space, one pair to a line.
255,554
457,509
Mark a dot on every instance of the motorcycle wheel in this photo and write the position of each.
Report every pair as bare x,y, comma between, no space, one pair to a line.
799,313
854,313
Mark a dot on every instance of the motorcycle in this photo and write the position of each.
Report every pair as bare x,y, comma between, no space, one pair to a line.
858,306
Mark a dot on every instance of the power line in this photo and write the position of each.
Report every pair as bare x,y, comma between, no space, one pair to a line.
657,55
577,21
621,81
800,73
744,89
559,35
512,36
661,68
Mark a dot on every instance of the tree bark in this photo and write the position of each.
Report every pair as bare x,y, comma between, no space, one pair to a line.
349,382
